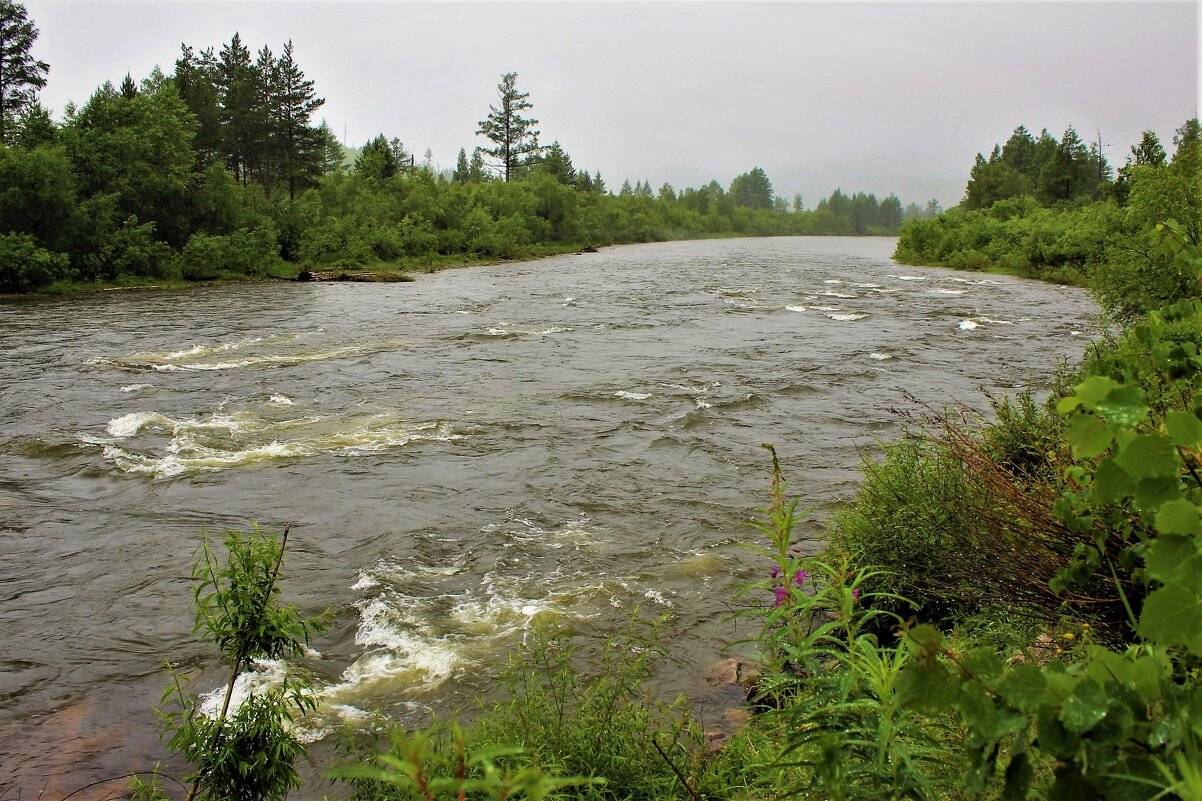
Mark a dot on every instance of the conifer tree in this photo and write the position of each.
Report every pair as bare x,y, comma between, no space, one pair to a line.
301,148
513,136
462,171
21,75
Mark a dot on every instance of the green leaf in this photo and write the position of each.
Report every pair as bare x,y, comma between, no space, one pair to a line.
1095,389
1024,688
1066,405
1149,456
983,664
1124,406
1111,483
1185,429
927,690
1172,615
1085,708
1152,493
1178,517
1088,436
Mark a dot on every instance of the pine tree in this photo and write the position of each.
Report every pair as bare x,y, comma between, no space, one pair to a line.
301,148
236,82
476,170
462,170
377,159
513,136
752,190
195,80
21,75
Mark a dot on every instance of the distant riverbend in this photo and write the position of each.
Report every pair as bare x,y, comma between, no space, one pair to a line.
457,457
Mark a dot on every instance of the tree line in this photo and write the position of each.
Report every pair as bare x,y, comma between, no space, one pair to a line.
219,167
1056,209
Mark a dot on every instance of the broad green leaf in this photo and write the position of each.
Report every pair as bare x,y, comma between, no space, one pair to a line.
1174,559
1153,493
1024,688
928,690
1149,456
1066,405
1089,436
1085,708
1172,615
1095,389
1185,429
983,664
1124,406
1178,517
1111,483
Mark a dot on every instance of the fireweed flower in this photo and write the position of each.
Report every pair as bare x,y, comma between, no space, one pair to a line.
780,593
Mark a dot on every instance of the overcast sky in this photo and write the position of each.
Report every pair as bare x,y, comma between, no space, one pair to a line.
874,96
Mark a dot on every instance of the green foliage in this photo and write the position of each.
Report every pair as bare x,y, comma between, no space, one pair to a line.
1113,723
415,767
514,137
21,75
834,684
601,727
25,267
248,753
242,253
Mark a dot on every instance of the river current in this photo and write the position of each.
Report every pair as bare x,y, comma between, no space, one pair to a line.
457,457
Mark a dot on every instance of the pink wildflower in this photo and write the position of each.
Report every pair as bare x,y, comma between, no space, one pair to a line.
780,593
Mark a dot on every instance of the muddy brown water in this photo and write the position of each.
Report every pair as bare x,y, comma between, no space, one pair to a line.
458,457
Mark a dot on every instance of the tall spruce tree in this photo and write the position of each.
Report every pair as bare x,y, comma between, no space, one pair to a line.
300,147
513,136
236,83
21,75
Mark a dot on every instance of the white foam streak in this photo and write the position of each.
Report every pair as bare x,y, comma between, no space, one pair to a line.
634,396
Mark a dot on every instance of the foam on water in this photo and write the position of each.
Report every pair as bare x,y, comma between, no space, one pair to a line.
224,441
634,396
880,357
968,325
136,387
847,317
909,277
946,291
279,351
844,295
795,308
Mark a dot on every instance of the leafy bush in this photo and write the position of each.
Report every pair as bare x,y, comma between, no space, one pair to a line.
242,253
25,267
245,754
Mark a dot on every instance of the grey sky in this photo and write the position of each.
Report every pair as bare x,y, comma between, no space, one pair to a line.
874,96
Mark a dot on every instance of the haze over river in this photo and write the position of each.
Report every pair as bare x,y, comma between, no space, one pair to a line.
457,456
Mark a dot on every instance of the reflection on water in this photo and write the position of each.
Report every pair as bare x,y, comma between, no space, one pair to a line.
458,457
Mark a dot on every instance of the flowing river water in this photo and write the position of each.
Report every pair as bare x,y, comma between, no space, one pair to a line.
457,457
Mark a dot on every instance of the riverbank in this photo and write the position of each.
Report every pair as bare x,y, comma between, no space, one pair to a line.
398,270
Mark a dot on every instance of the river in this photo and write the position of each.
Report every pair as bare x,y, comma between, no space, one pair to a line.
457,457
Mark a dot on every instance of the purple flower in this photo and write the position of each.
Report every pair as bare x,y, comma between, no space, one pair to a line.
774,572
780,593
800,578
855,594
